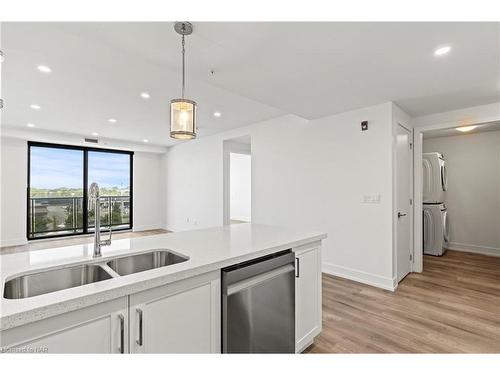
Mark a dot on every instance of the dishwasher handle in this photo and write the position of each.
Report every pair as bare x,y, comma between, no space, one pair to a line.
255,280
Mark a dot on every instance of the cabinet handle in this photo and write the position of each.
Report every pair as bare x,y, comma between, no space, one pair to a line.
139,340
122,334
297,267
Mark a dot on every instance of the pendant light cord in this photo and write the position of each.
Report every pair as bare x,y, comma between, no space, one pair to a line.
183,64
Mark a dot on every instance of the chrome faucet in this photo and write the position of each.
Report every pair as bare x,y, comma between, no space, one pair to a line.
94,202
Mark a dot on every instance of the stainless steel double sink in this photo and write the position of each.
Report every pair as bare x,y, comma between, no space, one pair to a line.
38,283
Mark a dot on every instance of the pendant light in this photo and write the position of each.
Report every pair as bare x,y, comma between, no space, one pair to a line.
183,111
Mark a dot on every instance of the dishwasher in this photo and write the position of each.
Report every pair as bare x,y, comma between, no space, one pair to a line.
258,305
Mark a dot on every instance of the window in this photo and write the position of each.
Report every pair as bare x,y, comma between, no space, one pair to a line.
58,178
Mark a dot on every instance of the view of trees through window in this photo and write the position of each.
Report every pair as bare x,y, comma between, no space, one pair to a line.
111,172
56,193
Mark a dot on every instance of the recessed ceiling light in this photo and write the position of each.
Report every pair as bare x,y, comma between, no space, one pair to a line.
442,50
145,140
112,120
95,134
44,68
145,95
217,114
35,106
466,128
30,125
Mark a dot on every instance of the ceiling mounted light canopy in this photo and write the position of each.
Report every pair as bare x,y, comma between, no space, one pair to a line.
464,129
183,111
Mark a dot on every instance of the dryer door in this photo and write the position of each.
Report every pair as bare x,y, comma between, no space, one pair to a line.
444,177
426,181
428,231
446,226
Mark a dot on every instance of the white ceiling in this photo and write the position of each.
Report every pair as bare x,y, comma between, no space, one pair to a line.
450,132
262,70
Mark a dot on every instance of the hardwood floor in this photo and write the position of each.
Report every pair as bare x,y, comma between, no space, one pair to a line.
68,241
452,307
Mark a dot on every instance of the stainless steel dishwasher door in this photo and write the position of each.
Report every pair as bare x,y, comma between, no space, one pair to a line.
258,306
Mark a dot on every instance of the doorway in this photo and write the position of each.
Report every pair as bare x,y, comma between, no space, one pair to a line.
240,189
237,181
458,200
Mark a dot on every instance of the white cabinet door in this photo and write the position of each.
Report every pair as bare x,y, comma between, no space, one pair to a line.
307,295
101,328
183,317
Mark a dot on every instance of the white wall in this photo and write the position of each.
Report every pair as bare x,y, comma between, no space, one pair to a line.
240,187
149,191
314,175
473,196
305,174
13,183
194,184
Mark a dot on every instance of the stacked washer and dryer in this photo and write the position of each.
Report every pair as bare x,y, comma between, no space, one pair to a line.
435,214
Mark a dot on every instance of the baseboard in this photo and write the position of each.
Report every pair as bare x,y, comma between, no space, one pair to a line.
141,228
360,276
175,228
486,250
14,242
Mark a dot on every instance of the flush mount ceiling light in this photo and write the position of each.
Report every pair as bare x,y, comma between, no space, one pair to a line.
466,128
441,51
183,111
35,106
112,120
145,140
95,134
145,95
217,114
30,125
44,68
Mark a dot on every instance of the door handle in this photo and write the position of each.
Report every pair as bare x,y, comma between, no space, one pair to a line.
122,334
139,341
400,215
297,268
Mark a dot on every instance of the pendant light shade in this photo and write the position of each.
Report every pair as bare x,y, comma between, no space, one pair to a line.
182,119
183,111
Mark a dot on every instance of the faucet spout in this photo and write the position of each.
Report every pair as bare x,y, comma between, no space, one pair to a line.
94,203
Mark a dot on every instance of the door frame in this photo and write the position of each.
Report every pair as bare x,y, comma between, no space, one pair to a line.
229,147
418,253
395,198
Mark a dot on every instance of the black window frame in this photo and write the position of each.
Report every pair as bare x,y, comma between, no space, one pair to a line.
85,151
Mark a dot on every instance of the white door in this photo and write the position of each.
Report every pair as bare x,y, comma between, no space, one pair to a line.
307,295
403,198
183,317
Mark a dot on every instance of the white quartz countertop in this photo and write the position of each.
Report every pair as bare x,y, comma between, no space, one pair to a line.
207,249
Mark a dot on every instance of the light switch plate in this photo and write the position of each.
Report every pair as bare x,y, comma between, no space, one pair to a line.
371,198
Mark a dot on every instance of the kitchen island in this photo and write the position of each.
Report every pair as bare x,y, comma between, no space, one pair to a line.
171,308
